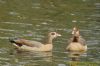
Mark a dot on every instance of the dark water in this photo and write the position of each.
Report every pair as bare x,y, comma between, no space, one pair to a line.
33,19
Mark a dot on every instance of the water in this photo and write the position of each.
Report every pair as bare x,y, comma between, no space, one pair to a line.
33,19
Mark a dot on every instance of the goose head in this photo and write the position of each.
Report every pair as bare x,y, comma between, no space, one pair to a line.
53,35
75,32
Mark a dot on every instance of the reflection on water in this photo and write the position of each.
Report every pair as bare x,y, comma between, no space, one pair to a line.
25,58
33,19
75,56
77,63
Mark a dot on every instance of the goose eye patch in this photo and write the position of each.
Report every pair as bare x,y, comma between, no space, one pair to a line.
52,33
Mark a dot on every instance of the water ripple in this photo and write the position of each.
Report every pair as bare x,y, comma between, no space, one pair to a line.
17,23
4,37
1,29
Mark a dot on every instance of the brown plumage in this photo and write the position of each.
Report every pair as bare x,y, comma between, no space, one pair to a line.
76,43
28,45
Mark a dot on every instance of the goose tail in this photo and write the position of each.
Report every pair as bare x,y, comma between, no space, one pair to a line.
12,39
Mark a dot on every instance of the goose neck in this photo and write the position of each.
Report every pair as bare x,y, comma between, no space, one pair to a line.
49,40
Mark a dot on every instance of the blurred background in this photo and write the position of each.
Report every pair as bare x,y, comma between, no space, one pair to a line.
33,19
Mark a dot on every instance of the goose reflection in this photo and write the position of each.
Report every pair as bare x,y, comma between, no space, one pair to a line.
32,57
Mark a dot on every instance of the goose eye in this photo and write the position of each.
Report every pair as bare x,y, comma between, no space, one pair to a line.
52,33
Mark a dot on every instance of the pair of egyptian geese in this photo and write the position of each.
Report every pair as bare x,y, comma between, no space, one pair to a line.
76,43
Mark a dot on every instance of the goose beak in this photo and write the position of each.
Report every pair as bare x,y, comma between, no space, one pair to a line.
58,34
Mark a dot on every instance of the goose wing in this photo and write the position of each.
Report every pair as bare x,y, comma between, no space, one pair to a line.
82,40
30,43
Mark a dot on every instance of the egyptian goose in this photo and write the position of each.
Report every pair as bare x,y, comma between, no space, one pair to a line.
76,43
28,45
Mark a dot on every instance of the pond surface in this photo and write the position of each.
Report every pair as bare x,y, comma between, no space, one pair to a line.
33,19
